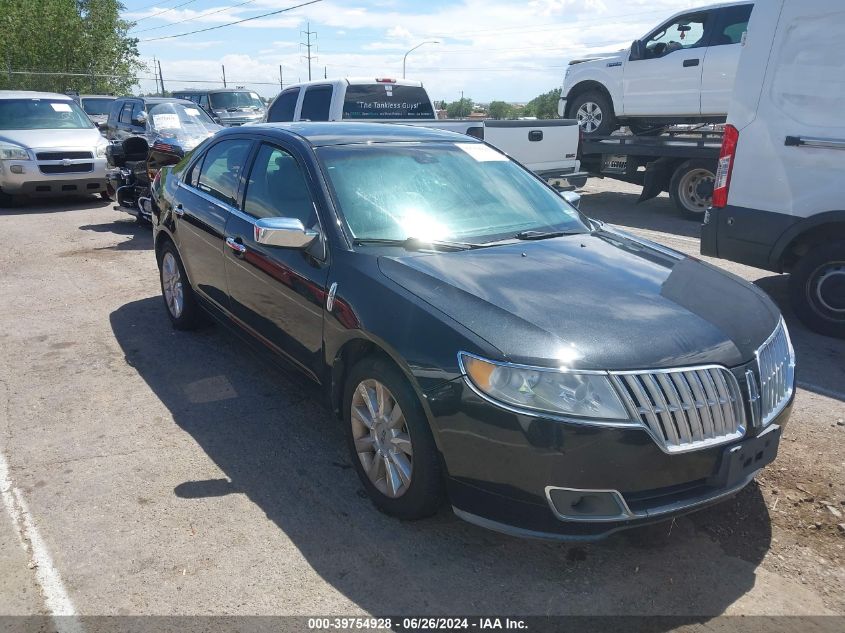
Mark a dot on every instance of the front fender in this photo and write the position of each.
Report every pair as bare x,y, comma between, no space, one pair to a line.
607,73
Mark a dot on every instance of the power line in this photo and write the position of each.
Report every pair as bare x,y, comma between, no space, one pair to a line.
196,17
220,26
162,12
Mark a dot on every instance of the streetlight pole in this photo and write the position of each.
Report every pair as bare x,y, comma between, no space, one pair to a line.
405,58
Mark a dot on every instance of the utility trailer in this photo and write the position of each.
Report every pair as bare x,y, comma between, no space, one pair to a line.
681,161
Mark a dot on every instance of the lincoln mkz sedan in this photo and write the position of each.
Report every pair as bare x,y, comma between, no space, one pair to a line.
482,340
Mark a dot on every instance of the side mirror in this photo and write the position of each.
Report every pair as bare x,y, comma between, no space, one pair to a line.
637,51
572,198
284,233
141,119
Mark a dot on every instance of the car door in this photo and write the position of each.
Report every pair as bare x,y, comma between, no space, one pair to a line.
278,293
666,80
123,127
203,201
721,59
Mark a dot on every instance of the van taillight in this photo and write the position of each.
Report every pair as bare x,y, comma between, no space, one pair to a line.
726,165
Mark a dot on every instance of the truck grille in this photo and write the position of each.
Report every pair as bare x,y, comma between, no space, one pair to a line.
62,155
685,409
776,367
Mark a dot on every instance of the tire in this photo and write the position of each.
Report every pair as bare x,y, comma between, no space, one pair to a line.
594,112
179,299
407,446
691,187
9,201
104,195
817,289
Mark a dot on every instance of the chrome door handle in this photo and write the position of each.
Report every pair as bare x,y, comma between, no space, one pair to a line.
236,246
178,210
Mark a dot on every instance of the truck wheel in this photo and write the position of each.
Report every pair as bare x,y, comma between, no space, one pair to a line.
691,187
594,112
817,289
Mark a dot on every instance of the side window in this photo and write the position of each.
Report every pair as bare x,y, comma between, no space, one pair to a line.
278,188
137,109
221,169
733,24
688,31
114,112
284,107
203,101
126,113
316,104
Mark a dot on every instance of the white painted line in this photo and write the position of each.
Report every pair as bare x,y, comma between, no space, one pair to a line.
56,598
830,393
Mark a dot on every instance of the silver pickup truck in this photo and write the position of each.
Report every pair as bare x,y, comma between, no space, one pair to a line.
547,147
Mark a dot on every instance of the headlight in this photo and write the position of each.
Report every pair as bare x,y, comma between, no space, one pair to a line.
13,152
101,150
559,392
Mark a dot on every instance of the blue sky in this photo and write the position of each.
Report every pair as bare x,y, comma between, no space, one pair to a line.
489,49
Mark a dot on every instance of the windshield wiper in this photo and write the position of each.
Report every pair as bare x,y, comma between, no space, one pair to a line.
544,235
416,244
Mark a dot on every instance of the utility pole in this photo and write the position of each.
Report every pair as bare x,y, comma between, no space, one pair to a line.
281,78
462,104
325,72
224,74
161,78
308,45
155,72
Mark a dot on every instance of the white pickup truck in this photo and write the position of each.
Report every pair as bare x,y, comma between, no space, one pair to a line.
547,147
680,72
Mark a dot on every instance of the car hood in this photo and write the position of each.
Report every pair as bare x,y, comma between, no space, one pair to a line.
595,301
85,138
616,56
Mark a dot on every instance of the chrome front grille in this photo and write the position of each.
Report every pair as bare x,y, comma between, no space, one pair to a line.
776,368
685,409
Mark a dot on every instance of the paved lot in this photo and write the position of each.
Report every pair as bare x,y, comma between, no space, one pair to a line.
145,471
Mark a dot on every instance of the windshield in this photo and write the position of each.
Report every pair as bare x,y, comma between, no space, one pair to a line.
235,100
387,101
178,118
440,191
96,107
42,114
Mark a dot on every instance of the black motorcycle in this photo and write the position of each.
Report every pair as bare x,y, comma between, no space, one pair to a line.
172,130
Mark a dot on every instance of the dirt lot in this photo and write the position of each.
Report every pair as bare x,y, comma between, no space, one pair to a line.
145,471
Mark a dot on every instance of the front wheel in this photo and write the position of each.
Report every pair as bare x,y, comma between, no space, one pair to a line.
691,187
390,442
594,113
817,289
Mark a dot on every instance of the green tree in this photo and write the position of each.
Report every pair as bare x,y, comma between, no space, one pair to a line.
500,110
544,106
460,108
82,38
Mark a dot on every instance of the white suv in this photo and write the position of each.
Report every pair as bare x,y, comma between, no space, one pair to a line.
681,72
48,147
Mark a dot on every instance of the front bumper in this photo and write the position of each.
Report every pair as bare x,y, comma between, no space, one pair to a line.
30,179
505,469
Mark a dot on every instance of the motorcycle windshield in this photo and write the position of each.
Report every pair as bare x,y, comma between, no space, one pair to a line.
188,125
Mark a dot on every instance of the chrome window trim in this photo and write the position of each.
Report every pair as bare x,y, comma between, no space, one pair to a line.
216,201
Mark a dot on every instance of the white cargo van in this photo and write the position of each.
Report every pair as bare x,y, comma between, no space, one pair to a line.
779,196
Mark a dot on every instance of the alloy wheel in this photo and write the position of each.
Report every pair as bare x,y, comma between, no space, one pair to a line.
171,283
589,116
382,439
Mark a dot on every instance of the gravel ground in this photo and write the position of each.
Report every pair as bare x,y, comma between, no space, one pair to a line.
146,471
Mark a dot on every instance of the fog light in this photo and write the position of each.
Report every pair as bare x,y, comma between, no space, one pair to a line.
587,505
16,169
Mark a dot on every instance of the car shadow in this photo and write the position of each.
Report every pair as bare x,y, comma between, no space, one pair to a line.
277,444
141,234
621,209
35,206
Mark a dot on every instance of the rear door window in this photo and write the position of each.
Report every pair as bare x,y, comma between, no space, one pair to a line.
316,104
284,107
387,101
126,113
221,169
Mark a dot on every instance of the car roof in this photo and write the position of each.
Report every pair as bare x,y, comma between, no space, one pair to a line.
31,94
160,100
204,90
348,133
97,97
